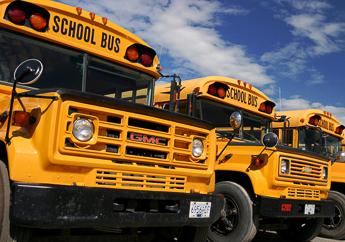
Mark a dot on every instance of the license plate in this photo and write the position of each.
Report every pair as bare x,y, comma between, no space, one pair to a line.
309,209
199,209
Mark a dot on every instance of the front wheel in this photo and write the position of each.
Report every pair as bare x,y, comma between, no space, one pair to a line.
236,222
301,229
8,233
334,227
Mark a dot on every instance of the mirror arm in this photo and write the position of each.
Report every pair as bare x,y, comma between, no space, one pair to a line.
227,144
13,96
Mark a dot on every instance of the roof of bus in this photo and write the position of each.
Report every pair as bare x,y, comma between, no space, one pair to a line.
298,118
202,84
97,23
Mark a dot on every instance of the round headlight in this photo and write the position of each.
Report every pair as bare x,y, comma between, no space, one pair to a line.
198,148
284,167
82,129
324,173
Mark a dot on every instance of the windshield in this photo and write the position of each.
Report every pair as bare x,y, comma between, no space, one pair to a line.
66,68
253,128
313,139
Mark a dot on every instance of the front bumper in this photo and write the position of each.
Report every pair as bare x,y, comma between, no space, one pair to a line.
51,206
284,208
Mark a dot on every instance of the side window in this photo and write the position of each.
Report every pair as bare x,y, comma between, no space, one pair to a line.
287,137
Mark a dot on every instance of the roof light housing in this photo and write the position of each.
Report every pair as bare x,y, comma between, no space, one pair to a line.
314,120
267,107
218,89
140,54
28,14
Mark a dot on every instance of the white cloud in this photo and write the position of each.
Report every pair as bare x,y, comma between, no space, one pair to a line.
297,102
310,6
314,27
186,31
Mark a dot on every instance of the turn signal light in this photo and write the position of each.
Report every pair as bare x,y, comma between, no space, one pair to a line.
132,53
22,118
38,22
339,130
286,207
16,15
314,120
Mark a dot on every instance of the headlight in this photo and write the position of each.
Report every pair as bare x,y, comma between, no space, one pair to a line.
198,148
284,166
325,173
82,129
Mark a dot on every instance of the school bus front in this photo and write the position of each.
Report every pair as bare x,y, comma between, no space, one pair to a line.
84,148
272,187
319,132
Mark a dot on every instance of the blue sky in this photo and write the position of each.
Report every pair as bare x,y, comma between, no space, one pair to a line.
297,46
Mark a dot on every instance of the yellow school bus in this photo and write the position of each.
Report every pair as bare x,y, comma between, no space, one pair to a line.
264,185
82,149
317,131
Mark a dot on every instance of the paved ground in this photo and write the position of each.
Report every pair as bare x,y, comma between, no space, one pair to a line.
271,236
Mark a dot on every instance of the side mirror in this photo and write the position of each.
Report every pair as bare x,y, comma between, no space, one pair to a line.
235,120
28,72
270,140
340,157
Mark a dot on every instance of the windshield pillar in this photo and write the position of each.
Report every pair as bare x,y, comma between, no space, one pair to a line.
150,94
84,77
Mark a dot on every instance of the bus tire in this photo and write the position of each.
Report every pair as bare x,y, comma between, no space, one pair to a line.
236,223
8,233
4,204
334,228
301,230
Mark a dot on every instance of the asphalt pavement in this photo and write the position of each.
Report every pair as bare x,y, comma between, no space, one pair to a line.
272,236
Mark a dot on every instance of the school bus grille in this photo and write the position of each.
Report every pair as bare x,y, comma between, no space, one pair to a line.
296,193
134,180
304,172
133,139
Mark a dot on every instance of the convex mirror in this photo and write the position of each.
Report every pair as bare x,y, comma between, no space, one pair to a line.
270,140
28,72
235,120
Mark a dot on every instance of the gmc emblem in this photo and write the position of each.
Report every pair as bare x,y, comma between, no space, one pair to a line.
147,139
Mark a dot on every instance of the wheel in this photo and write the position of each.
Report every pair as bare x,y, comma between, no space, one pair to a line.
8,233
236,222
334,227
301,229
